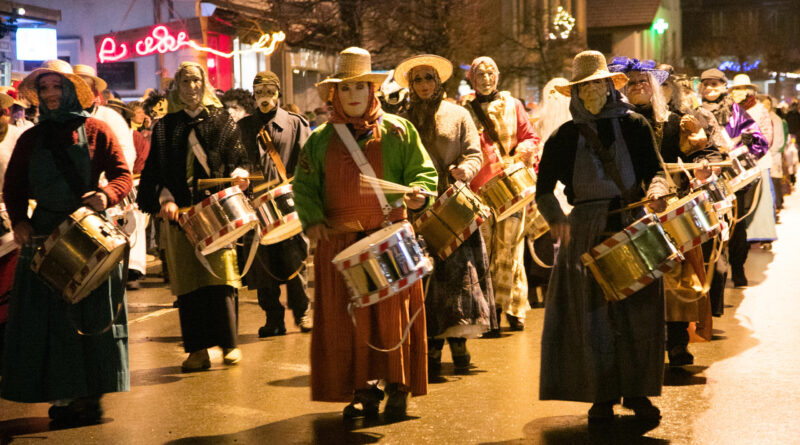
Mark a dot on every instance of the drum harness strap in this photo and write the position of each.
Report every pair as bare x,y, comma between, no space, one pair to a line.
69,172
366,169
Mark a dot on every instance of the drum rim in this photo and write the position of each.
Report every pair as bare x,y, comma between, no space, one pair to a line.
218,196
293,225
215,243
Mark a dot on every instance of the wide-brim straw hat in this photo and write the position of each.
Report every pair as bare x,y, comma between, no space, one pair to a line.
588,66
742,81
27,88
6,101
353,65
86,70
442,66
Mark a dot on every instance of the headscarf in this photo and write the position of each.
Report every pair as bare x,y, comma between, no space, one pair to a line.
720,108
68,108
616,106
209,99
361,124
422,112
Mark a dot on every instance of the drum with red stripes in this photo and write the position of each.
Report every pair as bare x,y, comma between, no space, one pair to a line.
382,264
690,221
454,217
632,259
218,220
509,192
80,254
277,218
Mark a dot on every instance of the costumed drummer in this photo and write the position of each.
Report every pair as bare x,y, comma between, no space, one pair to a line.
335,212
58,163
196,140
593,350
282,262
743,131
678,138
459,303
506,137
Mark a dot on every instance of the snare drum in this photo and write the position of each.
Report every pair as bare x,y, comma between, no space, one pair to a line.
276,215
690,221
744,170
453,218
508,192
218,220
535,224
718,192
382,264
80,254
631,259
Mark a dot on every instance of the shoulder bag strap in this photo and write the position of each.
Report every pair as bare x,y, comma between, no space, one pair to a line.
362,163
608,160
487,125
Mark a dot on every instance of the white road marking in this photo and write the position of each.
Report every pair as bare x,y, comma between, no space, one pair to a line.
155,314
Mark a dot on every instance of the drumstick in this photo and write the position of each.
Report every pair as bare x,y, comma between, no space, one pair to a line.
639,204
677,167
211,182
391,187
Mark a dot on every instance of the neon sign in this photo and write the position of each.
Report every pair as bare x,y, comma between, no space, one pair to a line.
161,40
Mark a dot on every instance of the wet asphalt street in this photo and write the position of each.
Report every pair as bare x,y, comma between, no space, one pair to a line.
744,387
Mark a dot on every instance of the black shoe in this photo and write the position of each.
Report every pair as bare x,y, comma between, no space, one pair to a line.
492,333
133,285
739,281
601,412
460,354
365,404
397,403
680,356
516,323
269,330
642,408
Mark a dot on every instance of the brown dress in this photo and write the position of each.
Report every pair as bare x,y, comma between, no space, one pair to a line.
341,360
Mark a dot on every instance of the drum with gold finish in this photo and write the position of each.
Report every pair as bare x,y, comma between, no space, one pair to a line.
454,217
690,221
535,224
509,192
218,220
80,254
631,259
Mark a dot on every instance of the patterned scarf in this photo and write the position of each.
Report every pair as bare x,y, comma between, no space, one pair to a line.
721,108
422,112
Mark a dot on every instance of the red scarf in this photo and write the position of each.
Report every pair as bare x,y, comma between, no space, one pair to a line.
361,124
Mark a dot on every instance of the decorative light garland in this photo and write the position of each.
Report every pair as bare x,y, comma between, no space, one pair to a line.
162,41
563,23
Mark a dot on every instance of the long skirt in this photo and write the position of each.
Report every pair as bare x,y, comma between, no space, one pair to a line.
45,357
507,254
594,350
761,224
460,301
341,360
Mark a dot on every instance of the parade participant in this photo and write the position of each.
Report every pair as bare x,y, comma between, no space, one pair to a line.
761,223
58,163
776,149
140,121
239,103
279,263
506,136
336,213
107,115
678,138
9,133
743,131
197,139
459,303
133,220
594,350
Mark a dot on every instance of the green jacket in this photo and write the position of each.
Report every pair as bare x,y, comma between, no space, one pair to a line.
405,162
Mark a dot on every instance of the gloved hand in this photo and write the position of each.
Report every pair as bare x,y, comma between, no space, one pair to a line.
747,139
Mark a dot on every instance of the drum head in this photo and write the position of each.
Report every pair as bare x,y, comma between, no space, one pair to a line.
281,232
235,230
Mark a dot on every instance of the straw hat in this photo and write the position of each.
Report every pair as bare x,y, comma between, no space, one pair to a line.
120,107
86,70
588,66
353,65
439,63
742,81
6,100
27,88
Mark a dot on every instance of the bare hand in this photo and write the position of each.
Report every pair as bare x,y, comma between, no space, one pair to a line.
690,124
23,232
239,177
561,233
414,199
658,205
703,172
458,173
318,232
98,201
169,211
